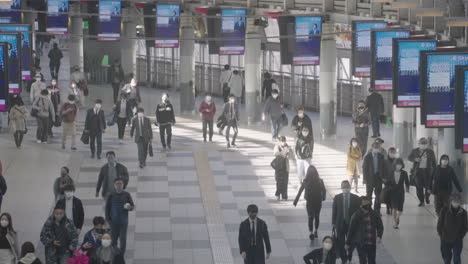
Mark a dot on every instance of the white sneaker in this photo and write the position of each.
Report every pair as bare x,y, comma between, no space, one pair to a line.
121,141
38,141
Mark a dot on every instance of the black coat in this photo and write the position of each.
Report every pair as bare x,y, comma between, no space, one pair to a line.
147,132
368,170
317,254
122,173
78,211
165,114
315,192
305,146
443,183
397,189
451,225
95,124
117,257
227,113
431,164
306,122
338,211
280,165
3,186
375,104
245,236
357,233
117,74
128,109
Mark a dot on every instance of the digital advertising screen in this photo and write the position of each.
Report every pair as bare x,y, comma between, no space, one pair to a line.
167,26
233,24
14,60
26,46
360,46
438,87
461,108
406,70
382,57
3,76
57,16
8,13
109,20
308,30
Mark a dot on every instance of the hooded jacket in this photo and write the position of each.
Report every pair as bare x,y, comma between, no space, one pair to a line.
443,183
452,224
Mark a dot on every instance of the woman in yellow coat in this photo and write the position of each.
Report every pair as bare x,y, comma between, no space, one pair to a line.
352,167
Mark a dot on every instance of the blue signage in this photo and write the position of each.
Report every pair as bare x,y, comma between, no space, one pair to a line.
109,20
167,26
3,77
26,47
233,25
12,13
14,60
308,30
57,16
361,42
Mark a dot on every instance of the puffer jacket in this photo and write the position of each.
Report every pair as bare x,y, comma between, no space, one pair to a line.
49,235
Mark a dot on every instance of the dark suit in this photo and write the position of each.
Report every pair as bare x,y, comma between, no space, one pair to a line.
255,253
143,136
375,105
422,177
78,211
103,177
316,257
95,124
374,178
341,223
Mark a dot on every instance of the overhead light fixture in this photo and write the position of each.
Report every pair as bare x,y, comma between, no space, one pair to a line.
429,12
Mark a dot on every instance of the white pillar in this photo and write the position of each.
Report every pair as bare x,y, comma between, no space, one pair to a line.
187,69
76,42
253,73
128,50
327,83
403,130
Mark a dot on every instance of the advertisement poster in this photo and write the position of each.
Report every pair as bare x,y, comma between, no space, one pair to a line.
233,24
438,92
360,46
8,13
14,60
109,20
26,47
3,77
382,57
167,26
406,71
307,42
57,16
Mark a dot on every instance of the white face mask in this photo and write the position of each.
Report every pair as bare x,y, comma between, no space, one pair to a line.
208,99
98,106
354,144
106,242
38,79
327,246
73,85
301,115
231,101
140,115
274,96
346,190
305,134
71,102
422,146
4,223
164,98
69,195
455,204
398,167
54,83
375,150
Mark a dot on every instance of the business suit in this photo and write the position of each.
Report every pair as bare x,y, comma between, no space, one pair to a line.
103,178
96,124
341,222
78,211
254,249
373,177
141,128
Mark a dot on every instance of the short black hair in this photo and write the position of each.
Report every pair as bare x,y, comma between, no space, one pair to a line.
365,198
45,92
110,152
71,97
27,247
399,161
227,67
69,187
98,101
99,220
252,208
141,110
232,95
66,168
118,179
59,206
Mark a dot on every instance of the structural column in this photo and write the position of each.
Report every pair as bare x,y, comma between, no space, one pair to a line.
327,83
128,51
76,38
253,73
187,65
403,129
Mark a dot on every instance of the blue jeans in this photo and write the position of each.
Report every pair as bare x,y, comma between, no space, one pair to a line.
275,126
450,249
119,230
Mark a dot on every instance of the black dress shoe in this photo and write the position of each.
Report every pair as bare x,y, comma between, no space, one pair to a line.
228,145
98,157
92,156
420,204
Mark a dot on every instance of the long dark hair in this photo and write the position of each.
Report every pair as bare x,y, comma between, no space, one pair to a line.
10,224
26,248
312,176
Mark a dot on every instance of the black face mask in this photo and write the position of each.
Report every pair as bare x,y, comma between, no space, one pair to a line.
366,207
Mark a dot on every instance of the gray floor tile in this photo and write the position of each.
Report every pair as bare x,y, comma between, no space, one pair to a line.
183,183
140,213
153,236
246,194
185,200
152,194
188,220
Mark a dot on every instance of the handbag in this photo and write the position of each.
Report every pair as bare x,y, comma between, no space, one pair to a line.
150,150
221,122
80,257
34,112
284,119
25,128
85,137
111,119
385,195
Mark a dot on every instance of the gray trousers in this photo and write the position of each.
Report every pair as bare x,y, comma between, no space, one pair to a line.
142,146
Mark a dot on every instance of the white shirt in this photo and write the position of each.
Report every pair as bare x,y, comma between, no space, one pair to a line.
69,208
423,163
397,175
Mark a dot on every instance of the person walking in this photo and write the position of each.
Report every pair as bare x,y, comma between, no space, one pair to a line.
375,105
68,113
28,255
300,120
54,96
267,86
165,119
280,164
452,226
231,115
324,255
116,77
37,87
107,252
109,173
398,184
79,78
373,169
207,111
390,158
74,90
304,149
61,182
59,237
274,109
141,128
254,238
8,241
44,108
92,238
73,207
95,124
365,232
3,185
133,93
424,163
123,113
354,156
224,81
55,56
443,178
344,206
315,193
118,204
17,115
361,122
235,85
